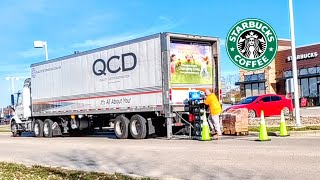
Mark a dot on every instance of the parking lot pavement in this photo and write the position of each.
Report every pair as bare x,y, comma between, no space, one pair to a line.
229,158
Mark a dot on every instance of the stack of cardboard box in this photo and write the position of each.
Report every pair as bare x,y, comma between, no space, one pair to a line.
235,122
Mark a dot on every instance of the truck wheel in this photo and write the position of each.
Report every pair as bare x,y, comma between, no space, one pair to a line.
14,129
138,127
38,128
121,127
47,128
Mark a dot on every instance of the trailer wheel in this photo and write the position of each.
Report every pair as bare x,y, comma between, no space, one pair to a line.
14,129
47,128
138,127
38,128
121,126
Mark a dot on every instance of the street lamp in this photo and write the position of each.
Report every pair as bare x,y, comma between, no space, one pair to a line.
12,82
294,67
41,44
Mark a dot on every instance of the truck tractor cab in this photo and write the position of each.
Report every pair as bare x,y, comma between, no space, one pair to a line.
21,109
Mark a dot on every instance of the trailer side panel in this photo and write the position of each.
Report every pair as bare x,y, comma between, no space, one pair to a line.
116,79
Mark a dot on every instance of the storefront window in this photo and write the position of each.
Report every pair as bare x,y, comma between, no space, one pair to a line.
287,74
254,77
262,89
248,90
318,69
313,87
312,70
304,87
255,90
303,72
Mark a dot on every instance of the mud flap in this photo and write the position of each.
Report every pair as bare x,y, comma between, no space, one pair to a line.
56,130
151,128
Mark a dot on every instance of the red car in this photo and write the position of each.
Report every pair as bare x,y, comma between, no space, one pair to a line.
271,104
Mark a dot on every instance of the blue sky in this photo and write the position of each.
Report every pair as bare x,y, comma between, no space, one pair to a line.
70,25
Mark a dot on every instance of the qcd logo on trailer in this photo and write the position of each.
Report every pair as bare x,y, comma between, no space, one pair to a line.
33,73
128,62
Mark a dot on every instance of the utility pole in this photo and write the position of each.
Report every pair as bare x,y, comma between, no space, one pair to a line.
294,67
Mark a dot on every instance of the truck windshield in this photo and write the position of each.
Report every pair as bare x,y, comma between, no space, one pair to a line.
248,100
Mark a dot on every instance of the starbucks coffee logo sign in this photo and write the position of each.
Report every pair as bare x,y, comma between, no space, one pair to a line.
251,44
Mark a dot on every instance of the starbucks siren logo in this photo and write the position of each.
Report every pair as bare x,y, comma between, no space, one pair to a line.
252,44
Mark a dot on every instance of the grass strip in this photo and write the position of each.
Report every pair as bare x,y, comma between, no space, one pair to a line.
289,128
14,171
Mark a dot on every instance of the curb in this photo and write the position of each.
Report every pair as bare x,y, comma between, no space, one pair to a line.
292,133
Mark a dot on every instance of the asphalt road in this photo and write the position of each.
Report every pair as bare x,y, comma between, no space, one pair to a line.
228,158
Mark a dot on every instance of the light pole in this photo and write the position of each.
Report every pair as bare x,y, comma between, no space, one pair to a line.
12,82
294,67
41,44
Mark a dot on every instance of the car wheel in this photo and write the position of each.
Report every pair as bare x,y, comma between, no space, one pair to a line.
286,111
251,114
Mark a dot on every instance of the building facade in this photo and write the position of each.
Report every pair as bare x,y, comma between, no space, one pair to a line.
277,77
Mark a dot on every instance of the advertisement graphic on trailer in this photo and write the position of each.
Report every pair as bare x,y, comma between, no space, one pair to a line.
190,64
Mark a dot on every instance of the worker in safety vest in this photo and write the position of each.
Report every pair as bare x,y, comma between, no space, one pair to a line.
215,111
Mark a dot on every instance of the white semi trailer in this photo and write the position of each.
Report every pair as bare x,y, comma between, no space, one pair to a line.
140,86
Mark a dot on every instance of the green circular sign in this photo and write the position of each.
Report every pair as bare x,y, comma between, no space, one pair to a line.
252,44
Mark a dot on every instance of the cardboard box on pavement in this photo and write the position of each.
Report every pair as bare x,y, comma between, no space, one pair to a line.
235,122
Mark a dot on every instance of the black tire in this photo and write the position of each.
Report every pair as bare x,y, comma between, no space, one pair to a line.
47,128
138,127
38,128
14,129
121,126
197,129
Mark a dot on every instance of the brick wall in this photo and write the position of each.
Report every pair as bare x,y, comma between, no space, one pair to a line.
283,65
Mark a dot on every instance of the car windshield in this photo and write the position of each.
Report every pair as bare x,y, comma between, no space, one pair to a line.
248,100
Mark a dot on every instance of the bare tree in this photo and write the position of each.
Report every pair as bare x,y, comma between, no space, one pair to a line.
229,82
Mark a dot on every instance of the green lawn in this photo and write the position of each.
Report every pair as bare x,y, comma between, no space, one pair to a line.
4,128
14,171
289,128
